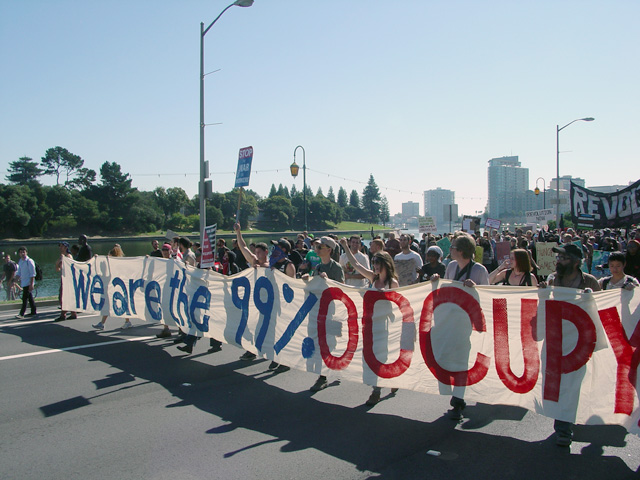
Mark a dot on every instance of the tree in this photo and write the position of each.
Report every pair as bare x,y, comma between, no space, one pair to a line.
342,198
273,192
384,210
83,180
371,201
319,192
278,211
330,195
58,161
354,199
23,171
294,191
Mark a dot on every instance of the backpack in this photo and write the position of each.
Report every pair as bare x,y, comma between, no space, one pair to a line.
38,272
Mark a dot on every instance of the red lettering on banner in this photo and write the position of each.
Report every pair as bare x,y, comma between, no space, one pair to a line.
471,306
528,327
627,355
337,363
557,364
398,367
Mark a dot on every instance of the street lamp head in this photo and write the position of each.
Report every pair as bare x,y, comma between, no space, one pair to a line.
294,169
243,3
588,119
537,191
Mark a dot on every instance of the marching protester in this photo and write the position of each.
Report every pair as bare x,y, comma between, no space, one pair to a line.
27,275
382,277
515,271
116,251
9,269
327,268
618,279
166,254
351,276
569,274
462,268
64,252
407,263
433,264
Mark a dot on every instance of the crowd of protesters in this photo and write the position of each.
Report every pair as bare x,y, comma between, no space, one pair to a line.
396,261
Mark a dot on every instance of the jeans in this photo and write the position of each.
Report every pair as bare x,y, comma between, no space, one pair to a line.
27,297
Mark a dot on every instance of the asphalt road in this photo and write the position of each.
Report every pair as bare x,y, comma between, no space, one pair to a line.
80,404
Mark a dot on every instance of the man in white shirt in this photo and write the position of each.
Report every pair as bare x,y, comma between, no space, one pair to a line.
351,275
407,262
27,273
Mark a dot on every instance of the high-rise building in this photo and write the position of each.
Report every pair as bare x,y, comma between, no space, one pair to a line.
508,183
439,203
410,209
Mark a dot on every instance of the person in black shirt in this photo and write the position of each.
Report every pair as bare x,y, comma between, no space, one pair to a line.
85,253
433,264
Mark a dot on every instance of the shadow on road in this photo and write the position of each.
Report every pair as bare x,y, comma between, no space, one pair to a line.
391,446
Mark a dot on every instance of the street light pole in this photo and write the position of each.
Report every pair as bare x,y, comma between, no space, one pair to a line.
558,128
204,170
544,195
294,171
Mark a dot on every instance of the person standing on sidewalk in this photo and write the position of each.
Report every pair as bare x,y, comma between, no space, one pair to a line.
27,274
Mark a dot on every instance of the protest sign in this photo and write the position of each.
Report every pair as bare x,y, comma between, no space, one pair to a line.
427,225
546,257
207,259
445,245
548,350
503,250
492,223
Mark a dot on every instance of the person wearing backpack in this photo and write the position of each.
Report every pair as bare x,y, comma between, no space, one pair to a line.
618,279
27,274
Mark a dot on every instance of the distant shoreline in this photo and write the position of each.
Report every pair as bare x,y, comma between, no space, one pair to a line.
223,234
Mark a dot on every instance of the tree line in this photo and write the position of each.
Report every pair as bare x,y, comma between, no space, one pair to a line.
104,202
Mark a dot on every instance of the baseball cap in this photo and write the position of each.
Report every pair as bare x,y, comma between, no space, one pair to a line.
283,244
328,241
569,249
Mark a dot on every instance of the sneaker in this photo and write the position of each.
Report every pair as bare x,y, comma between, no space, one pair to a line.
19,317
273,365
73,316
215,346
186,348
164,334
98,326
373,398
126,325
179,338
563,440
394,391
282,368
321,384
32,314
248,356
60,318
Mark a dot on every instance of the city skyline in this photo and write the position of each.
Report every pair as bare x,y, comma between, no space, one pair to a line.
419,94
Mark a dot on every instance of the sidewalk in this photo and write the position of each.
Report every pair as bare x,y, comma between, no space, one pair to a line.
4,306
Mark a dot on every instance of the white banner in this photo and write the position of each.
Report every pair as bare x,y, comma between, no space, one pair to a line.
567,355
540,216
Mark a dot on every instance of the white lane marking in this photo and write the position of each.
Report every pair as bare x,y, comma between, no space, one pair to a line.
22,322
77,347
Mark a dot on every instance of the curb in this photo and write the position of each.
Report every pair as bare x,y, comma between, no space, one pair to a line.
16,306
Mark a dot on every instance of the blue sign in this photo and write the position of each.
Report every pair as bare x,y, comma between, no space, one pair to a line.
243,173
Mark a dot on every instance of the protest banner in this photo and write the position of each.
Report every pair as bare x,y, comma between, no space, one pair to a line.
551,350
546,257
427,225
605,210
541,217
207,259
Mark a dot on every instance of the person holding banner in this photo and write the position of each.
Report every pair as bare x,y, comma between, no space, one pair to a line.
570,275
463,269
116,251
382,277
632,259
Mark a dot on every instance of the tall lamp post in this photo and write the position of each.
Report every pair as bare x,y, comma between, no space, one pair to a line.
294,172
558,128
204,166
544,194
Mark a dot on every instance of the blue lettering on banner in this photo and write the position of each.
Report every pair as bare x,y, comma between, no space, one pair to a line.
80,287
265,308
308,347
183,300
133,286
204,305
120,297
241,303
150,299
97,288
174,283
295,323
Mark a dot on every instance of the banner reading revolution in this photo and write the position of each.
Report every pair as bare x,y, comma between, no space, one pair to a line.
561,353
602,210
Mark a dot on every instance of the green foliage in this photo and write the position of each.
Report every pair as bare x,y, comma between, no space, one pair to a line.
384,210
354,199
23,171
371,201
330,195
277,212
342,197
58,161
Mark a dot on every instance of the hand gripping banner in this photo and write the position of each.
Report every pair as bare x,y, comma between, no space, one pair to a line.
556,351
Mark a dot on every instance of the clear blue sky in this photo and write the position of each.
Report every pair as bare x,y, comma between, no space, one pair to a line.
419,93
